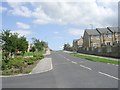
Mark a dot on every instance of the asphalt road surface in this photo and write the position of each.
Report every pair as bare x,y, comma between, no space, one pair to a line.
68,72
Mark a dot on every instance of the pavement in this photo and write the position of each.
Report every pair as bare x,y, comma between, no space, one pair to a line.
43,65
68,72
110,58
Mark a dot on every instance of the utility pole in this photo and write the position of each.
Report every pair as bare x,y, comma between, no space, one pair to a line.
91,26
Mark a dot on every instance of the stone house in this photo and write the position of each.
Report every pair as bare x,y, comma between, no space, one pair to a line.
105,36
91,38
77,43
115,34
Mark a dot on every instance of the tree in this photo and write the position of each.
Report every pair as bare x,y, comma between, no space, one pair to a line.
6,44
11,43
22,44
67,46
33,49
39,45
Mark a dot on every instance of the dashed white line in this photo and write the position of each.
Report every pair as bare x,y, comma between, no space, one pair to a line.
86,67
74,62
113,64
68,59
109,75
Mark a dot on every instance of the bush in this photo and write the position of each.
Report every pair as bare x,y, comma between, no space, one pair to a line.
30,62
6,72
4,65
16,63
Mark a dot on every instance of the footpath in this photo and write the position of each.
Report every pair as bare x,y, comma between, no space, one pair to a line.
43,65
94,55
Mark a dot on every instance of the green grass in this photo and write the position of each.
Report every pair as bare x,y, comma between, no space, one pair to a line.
0,58
19,65
35,53
96,59
0,55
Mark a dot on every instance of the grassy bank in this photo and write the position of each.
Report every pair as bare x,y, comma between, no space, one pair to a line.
21,64
96,59
33,53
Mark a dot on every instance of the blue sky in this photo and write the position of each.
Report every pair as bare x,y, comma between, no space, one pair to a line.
56,22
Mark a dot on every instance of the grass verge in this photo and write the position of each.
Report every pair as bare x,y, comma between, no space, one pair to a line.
33,53
96,59
20,65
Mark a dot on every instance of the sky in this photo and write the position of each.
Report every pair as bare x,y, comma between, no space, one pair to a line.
57,22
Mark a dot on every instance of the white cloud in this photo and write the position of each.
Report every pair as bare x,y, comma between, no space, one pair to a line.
75,32
2,9
60,0
19,9
23,32
22,25
80,13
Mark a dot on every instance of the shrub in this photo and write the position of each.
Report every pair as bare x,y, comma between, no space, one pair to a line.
4,65
6,72
30,62
16,63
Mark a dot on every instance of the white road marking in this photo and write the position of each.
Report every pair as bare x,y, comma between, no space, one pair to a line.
86,67
82,61
109,75
113,64
68,59
74,62
64,57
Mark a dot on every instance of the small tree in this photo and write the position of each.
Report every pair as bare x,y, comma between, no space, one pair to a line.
22,44
33,49
67,47
39,45
11,43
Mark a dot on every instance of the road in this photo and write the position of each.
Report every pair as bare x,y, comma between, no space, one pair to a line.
68,72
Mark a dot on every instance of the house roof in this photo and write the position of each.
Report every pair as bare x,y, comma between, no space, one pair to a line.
75,40
104,30
114,29
92,32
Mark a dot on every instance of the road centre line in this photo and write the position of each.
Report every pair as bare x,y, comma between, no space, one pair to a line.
86,67
109,75
91,69
74,62
67,59
64,57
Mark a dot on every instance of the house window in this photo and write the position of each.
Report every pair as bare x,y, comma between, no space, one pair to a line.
109,36
108,43
95,45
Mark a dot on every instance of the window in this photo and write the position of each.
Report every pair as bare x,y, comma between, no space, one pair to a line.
95,45
108,43
95,37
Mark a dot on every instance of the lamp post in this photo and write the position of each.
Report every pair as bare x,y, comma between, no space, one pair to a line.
91,26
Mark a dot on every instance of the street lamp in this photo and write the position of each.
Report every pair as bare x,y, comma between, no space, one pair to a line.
91,26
